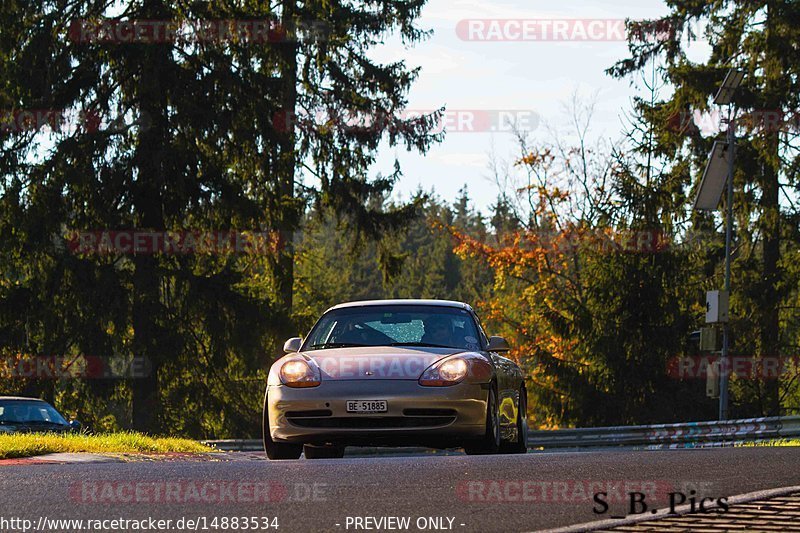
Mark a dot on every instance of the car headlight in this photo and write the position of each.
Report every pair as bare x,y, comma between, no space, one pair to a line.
298,372
455,369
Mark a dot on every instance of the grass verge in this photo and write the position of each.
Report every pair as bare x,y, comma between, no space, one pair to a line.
30,444
772,443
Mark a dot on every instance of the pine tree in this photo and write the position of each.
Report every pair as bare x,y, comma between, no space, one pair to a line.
761,39
190,135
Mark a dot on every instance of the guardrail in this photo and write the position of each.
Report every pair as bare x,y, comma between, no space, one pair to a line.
256,445
236,445
681,435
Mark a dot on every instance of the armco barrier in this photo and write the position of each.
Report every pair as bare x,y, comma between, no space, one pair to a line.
685,434
256,445
742,430
236,445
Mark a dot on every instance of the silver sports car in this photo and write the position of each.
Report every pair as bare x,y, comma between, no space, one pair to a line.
394,373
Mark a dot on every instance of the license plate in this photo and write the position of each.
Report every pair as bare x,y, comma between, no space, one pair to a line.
367,406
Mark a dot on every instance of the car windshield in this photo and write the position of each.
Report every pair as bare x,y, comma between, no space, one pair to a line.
29,412
395,325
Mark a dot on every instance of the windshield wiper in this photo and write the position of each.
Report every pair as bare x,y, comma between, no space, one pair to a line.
31,422
425,344
338,345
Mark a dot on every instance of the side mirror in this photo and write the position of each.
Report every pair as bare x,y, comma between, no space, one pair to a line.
292,345
498,344
74,425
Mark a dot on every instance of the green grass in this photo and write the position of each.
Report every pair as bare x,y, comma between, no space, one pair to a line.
772,443
30,444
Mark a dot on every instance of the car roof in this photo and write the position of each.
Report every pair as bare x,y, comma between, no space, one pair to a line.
368,303
21,398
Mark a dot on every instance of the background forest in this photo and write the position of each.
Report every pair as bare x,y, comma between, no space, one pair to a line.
590,260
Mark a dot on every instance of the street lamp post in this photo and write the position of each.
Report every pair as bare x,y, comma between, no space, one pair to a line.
725,97
724,361
708,196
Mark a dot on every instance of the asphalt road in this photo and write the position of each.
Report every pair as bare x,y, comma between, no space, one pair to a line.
489,493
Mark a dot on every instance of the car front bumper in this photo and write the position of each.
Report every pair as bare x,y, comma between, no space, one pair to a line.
416,415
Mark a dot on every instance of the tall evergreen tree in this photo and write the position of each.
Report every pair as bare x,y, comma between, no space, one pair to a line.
193,135
760,38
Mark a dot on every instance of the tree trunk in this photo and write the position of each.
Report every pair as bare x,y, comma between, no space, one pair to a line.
287,219
147,200
769,331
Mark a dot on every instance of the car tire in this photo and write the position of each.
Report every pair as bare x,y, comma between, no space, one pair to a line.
490,442
323,452
277,450
521,444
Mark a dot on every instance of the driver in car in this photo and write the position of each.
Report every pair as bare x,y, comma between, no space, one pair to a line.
15,413
437,331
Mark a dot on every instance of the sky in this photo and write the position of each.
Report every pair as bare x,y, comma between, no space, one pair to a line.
532,79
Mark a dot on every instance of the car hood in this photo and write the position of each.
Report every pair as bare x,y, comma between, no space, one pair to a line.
377,362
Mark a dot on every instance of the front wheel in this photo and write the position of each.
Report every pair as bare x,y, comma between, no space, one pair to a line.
277,450
521,444
490,442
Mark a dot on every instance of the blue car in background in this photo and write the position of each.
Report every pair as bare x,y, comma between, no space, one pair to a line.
28,415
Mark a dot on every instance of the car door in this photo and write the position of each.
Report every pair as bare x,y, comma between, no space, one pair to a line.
508,379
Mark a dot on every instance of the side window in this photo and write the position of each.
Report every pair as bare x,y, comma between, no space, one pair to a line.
321,333
484,338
